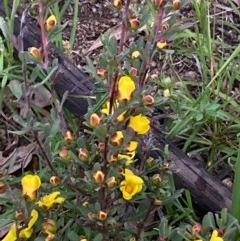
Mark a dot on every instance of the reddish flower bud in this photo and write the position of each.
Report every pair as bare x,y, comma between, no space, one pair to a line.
83,154
64,153
49,225
117,3
94,120
148,100
102,215
112,159
111,182
134,23
176,4
19,215
54,180
91,216
99,177
101,146
196,229
158,202
102,73
156,179
160,3
35,52
50,23
68,136
2,187
133,71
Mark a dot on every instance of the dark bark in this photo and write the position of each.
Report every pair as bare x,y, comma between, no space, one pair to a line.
208,192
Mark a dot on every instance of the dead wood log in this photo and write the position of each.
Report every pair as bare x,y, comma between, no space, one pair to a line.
208,192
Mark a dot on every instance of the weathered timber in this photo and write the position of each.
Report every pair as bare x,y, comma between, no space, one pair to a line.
208,192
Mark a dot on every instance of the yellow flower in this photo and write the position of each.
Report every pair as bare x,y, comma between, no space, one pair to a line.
50,23
48,201
30,185
126,86
135,54
215,236
132,146
106,110
129,157
161,44
24,233
131,185
140,124
117,138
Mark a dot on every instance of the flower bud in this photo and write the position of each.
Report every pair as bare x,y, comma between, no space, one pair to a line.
117,3
102,72
166,93
117,138
50,23
49,225
19,215
101,146
64,153
112,159
94,120
150,161
132,239
134,23
111,182
176,4
102,215
158,202
166,82
156,179
68,136
91,216
54,180
83,154
3,187
160,3
85,204
162,43
148,100
133,71
99,177
165,27
135,54
83,239
196,229
35,52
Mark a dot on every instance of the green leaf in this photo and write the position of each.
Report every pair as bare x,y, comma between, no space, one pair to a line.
98,237
72,236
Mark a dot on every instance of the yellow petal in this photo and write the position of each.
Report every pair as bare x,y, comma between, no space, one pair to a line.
140,124
27,232
126,86
12,234
215,237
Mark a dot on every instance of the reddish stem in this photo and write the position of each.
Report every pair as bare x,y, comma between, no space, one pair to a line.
42,8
